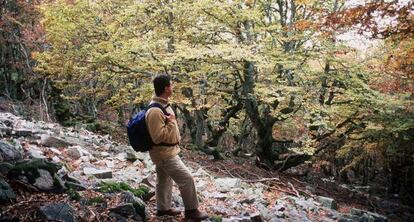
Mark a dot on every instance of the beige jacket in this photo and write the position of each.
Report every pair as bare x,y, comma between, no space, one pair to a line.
162,131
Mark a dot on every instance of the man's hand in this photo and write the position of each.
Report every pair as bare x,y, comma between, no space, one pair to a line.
170,117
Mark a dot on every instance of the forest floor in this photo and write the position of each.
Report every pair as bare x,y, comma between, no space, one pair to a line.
245,169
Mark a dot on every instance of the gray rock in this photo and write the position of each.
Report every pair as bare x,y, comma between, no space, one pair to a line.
139,205
30,169
105,154
150,181
131,155
53,141
8,152
4,131
327,202
6,192
45,181
368,216
58,212
237,219
23,132
98,173
256,217
74,153
36,154
227,184
5,168
219,209
125,212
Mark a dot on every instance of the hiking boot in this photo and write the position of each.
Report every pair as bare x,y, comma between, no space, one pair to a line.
195,215
170,212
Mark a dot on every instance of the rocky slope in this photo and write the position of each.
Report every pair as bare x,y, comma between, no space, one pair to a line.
71,174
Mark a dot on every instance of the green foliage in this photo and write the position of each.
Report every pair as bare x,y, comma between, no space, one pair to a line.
73,194
216,218
113,187
96,200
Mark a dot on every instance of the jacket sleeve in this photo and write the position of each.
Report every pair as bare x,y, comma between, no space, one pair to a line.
160,130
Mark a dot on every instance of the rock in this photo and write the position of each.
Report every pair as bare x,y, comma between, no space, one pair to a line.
73,183
201,173
131,155
139,205
237,219
256,217
227,184
32,169
105,154
247,200
368,216
141,156
36,153
75,186
58,212
56,159
55,151
6,192
109,163
45,181
23,132
5,168
301,170
5,131
121,157
8,152
125,212
327,202
98,173
74,153
150,180
219,209
52,141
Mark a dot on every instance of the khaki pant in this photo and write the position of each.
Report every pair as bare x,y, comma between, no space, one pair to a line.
167,171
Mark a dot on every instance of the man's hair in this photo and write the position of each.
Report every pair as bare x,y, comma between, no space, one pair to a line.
160,82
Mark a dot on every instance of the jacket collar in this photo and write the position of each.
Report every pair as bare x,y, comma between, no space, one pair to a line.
160,100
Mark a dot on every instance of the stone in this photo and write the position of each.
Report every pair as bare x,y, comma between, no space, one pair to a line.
23,132
74,153
58,212
150,180
6,192
105,154
5,168
45,181
227,184
256,217
131,155
8,152
139,205
219,209
55,151
237,219
98,173
201,173
5,131
125,212
53,141
29,169
368,216
327,202
36,153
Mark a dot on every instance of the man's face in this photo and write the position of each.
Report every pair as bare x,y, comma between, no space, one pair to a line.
169,89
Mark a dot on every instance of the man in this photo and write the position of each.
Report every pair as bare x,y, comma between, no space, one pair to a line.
169,167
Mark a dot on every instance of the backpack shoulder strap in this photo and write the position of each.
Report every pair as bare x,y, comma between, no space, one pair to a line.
157,105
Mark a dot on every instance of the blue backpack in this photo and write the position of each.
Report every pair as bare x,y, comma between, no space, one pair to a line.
138,134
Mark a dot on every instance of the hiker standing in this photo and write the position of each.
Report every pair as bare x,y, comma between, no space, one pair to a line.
163,129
